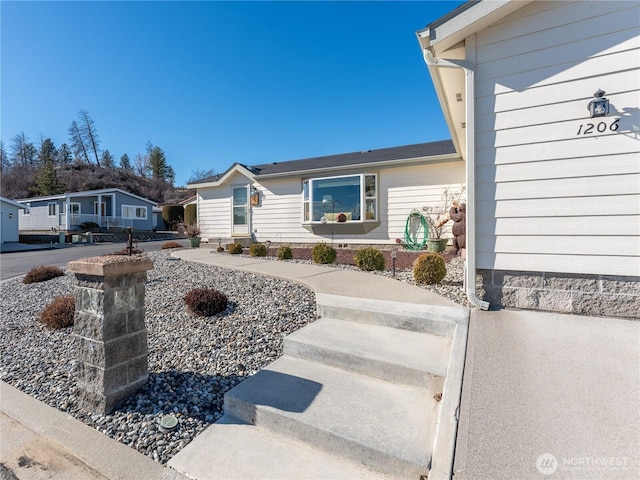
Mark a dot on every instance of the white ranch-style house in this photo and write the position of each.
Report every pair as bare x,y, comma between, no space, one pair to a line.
541,99
109,208
355,198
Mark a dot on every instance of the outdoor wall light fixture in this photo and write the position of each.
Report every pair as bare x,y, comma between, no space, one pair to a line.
599,106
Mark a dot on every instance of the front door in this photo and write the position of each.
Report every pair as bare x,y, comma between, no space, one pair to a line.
240,214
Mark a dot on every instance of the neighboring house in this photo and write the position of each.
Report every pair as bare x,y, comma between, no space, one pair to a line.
300,201
9,220
110,208
553,218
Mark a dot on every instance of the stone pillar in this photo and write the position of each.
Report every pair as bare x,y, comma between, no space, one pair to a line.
109,329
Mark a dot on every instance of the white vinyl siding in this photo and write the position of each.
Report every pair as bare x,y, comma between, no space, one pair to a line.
279,216
549,199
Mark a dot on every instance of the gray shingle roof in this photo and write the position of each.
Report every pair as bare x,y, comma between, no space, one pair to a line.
431,149
356,158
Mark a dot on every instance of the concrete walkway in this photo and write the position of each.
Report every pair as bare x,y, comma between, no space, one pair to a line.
544,395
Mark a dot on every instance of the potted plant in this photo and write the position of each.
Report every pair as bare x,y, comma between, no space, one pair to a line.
193,233
437,216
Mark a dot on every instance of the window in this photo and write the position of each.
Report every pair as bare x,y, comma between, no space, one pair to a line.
27,211
350,198
52,209
132,211
74,208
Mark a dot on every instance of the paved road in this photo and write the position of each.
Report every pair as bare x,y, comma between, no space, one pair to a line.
19,263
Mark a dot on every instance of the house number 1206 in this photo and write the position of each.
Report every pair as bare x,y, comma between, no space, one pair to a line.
600,127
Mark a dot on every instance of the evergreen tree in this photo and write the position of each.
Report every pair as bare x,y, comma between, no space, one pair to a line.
64,155
47,182
47,151
157,163
107,159
125,164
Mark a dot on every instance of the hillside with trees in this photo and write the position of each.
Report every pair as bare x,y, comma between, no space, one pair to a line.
28,170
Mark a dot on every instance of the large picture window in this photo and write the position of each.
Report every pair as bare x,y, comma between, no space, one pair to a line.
349,198
134,212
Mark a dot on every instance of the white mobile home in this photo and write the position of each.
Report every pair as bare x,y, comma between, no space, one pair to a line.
355,198
542,100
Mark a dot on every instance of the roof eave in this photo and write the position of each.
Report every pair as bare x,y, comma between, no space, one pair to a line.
466,20
235,168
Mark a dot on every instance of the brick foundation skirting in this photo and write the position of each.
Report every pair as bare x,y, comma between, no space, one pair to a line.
602,295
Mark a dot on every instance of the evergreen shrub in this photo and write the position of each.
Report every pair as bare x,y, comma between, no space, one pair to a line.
429,268
323,253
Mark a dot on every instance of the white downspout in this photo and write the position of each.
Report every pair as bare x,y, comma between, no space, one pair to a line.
470,134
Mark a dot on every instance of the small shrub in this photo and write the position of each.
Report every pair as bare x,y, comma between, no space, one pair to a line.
369,259
429,268
59,313
220,249
42,273
90,227
284,252
171,244
205,302
258,250
323,253
234,248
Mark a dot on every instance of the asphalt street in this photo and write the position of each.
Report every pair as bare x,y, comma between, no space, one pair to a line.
13,264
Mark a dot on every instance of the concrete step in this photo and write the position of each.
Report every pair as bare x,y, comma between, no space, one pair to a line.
388,428
391,354
435,319
232,450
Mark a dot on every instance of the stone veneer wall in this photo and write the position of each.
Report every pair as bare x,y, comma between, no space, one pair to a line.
109,329
603,295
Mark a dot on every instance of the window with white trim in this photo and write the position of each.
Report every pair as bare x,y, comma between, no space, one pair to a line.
134,212
52,209
347,198
74,208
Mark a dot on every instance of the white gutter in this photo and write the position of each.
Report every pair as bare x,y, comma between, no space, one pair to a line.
470,270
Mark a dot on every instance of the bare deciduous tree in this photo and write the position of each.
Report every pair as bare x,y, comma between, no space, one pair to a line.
77,143
89,133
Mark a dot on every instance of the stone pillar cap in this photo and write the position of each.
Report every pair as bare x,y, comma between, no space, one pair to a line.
109,265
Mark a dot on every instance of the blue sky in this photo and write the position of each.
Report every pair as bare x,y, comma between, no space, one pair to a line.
213,83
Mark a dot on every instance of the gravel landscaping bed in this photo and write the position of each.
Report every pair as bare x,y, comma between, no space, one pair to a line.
192,361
